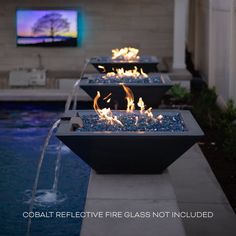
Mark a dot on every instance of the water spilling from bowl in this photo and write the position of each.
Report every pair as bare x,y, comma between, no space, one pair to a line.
44,197
49,197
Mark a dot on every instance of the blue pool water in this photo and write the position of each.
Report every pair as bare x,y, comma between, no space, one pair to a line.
22,134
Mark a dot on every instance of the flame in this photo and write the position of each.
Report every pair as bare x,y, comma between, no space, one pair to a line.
121,73
141,105
107,96
105,113
160,117
103,68
131,105
126,54
149,113
130,98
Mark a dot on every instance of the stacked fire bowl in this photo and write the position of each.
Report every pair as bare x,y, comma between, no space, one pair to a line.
133,138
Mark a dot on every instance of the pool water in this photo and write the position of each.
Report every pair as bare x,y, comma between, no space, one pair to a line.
22,134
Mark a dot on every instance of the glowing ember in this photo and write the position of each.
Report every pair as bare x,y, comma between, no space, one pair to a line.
126,54
121,73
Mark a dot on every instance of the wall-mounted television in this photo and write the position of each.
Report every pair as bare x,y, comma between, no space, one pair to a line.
47,28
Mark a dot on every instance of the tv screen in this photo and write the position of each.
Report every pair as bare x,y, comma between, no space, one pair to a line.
47,28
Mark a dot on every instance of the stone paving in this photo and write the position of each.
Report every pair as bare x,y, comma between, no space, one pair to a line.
187,186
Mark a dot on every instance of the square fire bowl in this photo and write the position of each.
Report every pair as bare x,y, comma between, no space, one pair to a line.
147,63
151,93
129,152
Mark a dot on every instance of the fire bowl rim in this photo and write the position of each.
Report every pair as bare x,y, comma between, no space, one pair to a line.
93,60
193,128
167,82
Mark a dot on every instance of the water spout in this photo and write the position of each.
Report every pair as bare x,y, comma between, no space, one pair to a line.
34,189
74,92
57,168
51,196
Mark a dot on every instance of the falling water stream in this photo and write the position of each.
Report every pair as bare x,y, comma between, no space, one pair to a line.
57,168
35,186
75,90
47,197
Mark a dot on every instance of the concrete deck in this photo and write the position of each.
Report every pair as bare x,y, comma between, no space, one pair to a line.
39,94
188,185
131,193
197,189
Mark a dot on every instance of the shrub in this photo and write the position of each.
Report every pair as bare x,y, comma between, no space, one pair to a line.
179,94
205,108
229,144
227,129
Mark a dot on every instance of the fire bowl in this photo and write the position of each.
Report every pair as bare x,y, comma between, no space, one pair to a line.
151,89
112,150
147,63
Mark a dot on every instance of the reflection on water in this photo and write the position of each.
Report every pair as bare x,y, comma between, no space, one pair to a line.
22,134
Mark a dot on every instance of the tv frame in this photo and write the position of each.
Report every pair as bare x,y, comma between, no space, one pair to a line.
80,25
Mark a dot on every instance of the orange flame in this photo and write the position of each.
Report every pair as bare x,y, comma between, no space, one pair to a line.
141,105
149,113
103,68
105,113
121,73
108,96
129,98
126,54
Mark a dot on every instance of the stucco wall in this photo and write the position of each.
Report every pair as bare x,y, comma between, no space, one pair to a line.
146,24
214,49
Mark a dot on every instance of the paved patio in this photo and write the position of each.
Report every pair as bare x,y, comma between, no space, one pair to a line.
188,185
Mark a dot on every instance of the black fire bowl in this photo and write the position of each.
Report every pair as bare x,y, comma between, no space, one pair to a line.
151,92
147,63
131,152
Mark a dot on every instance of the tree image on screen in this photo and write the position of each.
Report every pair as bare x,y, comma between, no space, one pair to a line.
51,24
47,28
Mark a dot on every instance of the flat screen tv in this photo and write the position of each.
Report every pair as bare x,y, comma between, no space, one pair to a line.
47,28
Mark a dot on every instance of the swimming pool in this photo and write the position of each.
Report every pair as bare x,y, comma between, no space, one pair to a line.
22,133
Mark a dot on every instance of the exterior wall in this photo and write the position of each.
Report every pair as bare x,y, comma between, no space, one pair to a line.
146,24
198,37
180,32
214,45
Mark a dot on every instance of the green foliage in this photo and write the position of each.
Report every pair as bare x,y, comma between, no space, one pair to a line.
229,144
206,109
230,113
179,93
208,98
227,129
219,124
